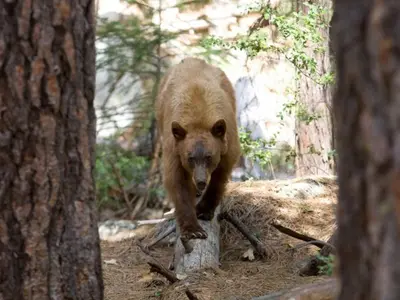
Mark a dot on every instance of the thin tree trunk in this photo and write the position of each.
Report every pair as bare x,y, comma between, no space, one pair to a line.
366,104
314,141
49,243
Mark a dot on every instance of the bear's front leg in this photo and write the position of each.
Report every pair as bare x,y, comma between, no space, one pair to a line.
185,212
183,195
205,209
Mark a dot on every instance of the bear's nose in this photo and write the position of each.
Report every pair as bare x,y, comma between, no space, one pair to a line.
201,185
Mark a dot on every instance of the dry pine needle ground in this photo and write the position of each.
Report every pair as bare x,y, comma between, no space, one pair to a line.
305,205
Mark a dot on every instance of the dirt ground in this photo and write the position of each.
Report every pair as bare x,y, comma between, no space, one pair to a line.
307,206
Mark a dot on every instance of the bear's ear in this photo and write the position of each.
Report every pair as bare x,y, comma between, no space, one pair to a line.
178,131
219,128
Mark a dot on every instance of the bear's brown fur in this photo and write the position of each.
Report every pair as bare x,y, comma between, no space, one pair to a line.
196,118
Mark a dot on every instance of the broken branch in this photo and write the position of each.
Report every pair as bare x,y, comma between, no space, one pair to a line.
303,237
170,213
317,243
258,246
150,222
157,267
171,277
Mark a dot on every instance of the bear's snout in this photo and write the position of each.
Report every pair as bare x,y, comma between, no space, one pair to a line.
200,177
201,185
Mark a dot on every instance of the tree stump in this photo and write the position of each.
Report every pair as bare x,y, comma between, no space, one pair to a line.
204,253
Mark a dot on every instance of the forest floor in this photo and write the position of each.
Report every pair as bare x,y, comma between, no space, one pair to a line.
304,205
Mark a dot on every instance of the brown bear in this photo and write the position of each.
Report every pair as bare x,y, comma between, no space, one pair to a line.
196,118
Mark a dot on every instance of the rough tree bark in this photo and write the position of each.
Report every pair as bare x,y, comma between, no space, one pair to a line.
366,43
49,243
316,98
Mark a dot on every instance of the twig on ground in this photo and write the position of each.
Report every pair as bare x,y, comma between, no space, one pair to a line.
258,246
300,236
171,277
156,266
170,213
171,265
155,221
150,222
317,243
144,250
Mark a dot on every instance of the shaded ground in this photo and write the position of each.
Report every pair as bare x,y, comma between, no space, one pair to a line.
306,206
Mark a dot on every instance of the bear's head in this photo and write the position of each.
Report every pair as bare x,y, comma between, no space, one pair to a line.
200,151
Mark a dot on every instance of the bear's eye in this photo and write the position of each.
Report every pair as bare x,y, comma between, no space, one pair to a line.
208,159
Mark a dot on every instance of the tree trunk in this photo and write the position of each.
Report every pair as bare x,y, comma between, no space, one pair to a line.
314,141
49,243
366,105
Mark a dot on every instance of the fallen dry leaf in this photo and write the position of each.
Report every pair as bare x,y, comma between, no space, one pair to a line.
111,262
249,254
146,278
181,276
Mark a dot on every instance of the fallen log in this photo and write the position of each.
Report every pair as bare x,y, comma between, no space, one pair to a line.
323,290
203,253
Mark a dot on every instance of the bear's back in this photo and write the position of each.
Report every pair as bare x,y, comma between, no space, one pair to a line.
195,94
